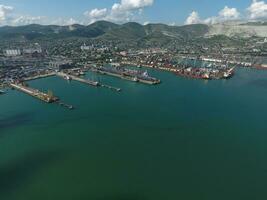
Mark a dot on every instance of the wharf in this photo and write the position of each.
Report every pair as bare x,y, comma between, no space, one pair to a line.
164,68
48,98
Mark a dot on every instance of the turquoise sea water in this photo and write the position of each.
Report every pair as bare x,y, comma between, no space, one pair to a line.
184,139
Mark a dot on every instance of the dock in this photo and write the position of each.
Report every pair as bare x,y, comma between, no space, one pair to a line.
76,78
86,81
45,97
126,75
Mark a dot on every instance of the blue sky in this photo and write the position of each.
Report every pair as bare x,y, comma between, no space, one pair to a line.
166,11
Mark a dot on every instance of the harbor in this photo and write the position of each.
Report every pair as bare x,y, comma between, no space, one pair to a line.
117,124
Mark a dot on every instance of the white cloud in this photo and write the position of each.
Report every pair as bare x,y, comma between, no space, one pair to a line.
4,12
146,23
96,14
64,22
124,11
193,18
8,16
257,10
128,5
229,13
24,20
224,15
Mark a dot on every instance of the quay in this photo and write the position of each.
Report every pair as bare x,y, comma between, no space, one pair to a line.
86,81
47,98
192,72
164,68
39,76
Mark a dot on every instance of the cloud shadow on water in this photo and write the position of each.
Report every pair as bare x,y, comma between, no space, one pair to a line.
14,175
14,121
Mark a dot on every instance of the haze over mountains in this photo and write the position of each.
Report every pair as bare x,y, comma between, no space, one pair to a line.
135,31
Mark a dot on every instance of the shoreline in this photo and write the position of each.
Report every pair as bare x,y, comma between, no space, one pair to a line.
39,76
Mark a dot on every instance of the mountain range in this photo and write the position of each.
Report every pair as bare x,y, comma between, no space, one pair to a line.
134,31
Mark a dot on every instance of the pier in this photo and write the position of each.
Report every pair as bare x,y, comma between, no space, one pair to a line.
86,81
47,98
134,76
76,78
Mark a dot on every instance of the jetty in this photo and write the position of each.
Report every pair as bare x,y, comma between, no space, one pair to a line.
126,74
45,97
86,81
76,78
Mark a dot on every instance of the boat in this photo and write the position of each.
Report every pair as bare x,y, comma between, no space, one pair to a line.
145,74
206,76
135,79
228,73
2,92
68,78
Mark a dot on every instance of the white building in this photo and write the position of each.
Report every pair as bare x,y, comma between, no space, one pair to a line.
84,47
12,52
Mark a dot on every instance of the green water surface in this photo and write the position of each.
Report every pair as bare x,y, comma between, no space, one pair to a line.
184,139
